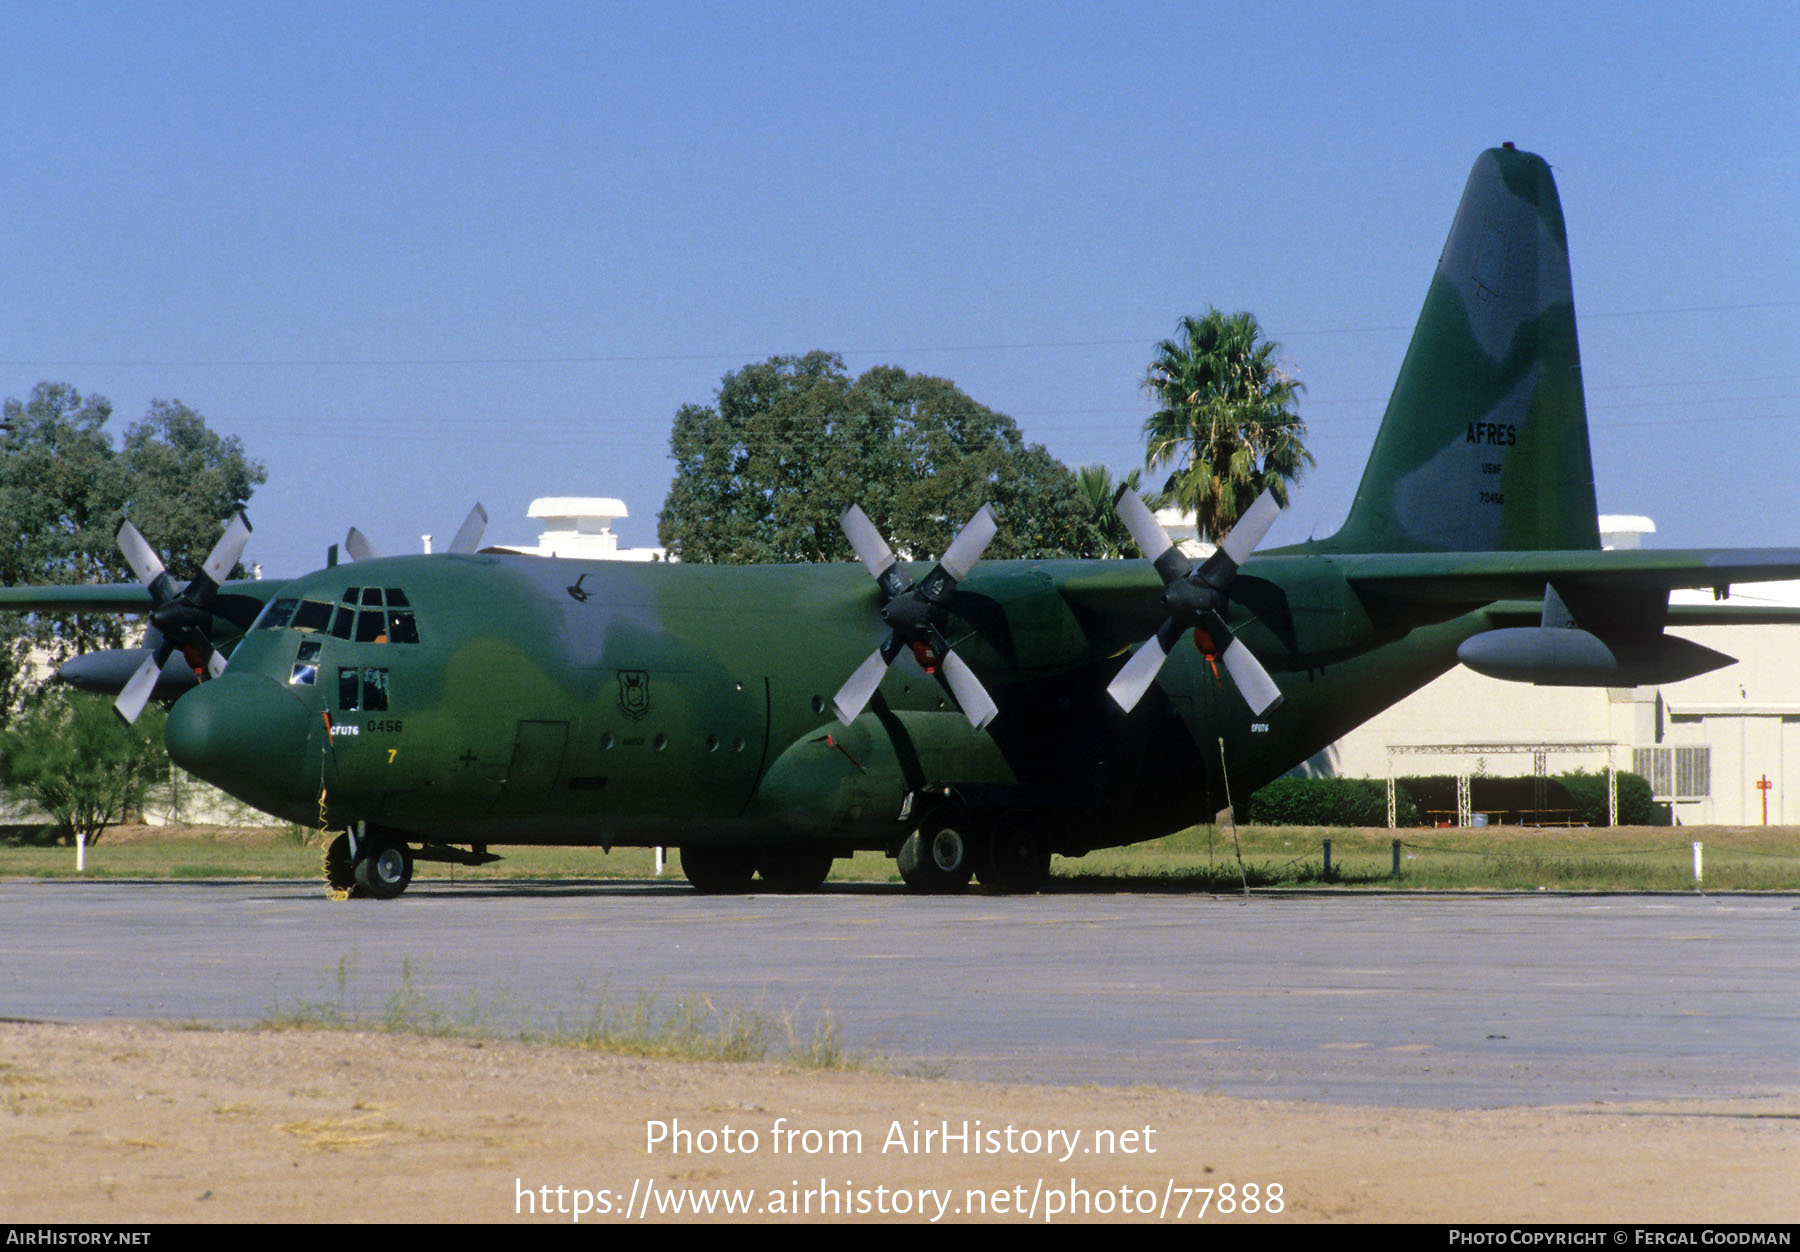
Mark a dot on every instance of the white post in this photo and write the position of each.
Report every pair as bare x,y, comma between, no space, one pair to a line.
659,862
81,852
1697,847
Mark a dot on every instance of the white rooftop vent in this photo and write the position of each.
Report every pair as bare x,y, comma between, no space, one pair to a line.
581,528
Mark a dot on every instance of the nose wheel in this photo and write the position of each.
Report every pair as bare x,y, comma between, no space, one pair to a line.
380,869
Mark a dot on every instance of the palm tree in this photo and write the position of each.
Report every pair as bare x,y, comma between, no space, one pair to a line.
1225,426
1106,535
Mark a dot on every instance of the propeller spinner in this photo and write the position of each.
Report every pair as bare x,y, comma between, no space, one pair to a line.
916,613
1195,595
179,620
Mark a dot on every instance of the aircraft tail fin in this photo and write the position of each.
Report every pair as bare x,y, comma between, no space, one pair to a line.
1484,446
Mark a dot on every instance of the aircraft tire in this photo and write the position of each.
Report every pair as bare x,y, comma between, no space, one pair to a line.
793,872
1018,859
718,871
385,870
340,874
938,857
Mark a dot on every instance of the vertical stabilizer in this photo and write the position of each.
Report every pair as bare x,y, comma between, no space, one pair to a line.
1484,445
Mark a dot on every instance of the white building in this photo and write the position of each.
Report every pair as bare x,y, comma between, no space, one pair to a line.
580,527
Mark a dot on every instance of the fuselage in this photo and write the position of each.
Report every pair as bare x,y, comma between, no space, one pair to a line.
488,699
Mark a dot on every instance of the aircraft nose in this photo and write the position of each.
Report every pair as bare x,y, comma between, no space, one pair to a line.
246,735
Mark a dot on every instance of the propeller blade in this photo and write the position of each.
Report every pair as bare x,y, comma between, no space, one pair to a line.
871,548
468,538
224,556
1148,533
970,542
136,692
1253,681
854,695
971,696
1130,683
1251,526
358,546
139,554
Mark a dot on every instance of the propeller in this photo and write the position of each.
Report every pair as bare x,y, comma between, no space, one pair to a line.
1195,595
180,619
916,613
468,538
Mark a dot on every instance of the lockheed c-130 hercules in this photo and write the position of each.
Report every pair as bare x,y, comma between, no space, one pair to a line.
436,706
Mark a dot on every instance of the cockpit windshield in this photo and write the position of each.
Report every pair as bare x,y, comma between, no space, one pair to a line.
364,614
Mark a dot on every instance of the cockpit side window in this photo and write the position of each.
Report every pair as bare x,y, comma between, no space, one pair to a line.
276,614
311,615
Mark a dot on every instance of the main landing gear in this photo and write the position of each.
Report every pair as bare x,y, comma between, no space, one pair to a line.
951,845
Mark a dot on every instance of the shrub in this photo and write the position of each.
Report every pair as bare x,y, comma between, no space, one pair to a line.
1327,802
1363,801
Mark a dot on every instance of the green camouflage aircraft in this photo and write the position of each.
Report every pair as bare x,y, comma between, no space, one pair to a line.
436,706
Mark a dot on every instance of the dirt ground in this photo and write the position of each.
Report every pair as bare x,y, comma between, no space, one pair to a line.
151,1123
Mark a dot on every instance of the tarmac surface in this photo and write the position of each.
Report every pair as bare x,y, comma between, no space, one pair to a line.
1423,1000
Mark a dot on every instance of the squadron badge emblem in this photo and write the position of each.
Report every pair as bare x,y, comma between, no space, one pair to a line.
634,693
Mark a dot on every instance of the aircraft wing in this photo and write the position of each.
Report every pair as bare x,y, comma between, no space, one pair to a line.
77,598
114,597
1474,578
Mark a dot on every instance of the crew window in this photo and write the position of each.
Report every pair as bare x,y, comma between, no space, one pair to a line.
363,690
306,664
371,626
344,624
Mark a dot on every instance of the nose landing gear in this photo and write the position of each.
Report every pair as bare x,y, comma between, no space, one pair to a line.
378,869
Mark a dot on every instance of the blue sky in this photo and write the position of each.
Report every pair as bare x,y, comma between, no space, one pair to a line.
419,255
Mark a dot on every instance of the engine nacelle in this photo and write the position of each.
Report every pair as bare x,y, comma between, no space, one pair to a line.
1558,656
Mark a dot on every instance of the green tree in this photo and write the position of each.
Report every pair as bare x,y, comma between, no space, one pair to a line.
72,758
1225,426
1098,488
763,474
64,490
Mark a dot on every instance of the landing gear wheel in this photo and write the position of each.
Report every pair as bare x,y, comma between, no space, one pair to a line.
384,870
340,874
939,856
1018,859
718,871
793,871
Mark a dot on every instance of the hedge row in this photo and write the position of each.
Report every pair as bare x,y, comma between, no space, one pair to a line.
1363,801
